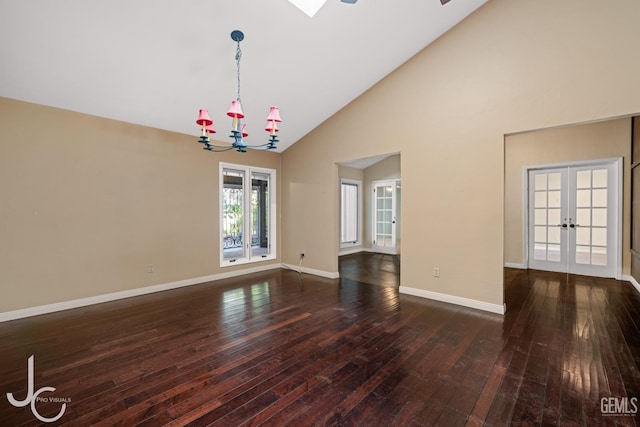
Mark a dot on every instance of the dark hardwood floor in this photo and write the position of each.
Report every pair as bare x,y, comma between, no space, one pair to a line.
281,348
373,268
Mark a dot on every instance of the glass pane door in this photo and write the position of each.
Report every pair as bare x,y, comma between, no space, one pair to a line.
547,230
573,214
592,223
384,217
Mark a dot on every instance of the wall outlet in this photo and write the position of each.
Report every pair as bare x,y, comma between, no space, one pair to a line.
436,272
302,254
150,268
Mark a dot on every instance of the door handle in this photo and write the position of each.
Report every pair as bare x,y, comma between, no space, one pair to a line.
574,225
562,225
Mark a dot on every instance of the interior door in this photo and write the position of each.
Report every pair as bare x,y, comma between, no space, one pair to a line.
573,219
548,212
384,217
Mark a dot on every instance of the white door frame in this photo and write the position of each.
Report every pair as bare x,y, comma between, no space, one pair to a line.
525,204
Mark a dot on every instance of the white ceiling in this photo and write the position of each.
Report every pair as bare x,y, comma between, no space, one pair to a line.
156,62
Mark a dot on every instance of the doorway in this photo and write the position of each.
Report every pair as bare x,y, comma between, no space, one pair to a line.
573,221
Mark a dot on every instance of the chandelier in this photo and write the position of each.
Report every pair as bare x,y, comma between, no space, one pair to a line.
239,129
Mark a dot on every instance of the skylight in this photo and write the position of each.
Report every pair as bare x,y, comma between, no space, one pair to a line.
310,7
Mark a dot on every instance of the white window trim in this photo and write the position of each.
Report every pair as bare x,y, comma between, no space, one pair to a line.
247,208
360,214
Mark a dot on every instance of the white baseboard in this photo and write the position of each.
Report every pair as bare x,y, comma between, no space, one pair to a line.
66,305
633,281
515,265
312,271
452,299
82,302
351,251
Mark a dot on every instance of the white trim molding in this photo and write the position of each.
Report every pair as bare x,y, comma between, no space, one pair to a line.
354,251
519,266
452,299
629,278
312,271
82,302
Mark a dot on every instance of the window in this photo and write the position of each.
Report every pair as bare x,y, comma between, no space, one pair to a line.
350,208
247,217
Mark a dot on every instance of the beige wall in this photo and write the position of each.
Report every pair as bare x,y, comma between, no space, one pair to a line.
602,140
350,173
511,66
89,203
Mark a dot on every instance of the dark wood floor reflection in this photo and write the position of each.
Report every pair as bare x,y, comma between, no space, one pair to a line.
374,268
283,348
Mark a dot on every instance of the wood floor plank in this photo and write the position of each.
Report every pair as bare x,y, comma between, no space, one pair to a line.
283,348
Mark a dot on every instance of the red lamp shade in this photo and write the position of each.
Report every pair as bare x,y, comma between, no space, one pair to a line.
210,128
274,114
272,126
203,118
235,111
244,131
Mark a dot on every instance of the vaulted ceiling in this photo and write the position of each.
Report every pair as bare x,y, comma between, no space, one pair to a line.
156,62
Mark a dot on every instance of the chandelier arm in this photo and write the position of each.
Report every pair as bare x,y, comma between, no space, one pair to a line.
221,145
218,148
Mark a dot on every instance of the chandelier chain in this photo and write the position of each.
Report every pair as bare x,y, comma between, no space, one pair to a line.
238,57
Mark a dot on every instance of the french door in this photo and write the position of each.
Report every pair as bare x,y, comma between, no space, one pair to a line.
573,219
384,216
